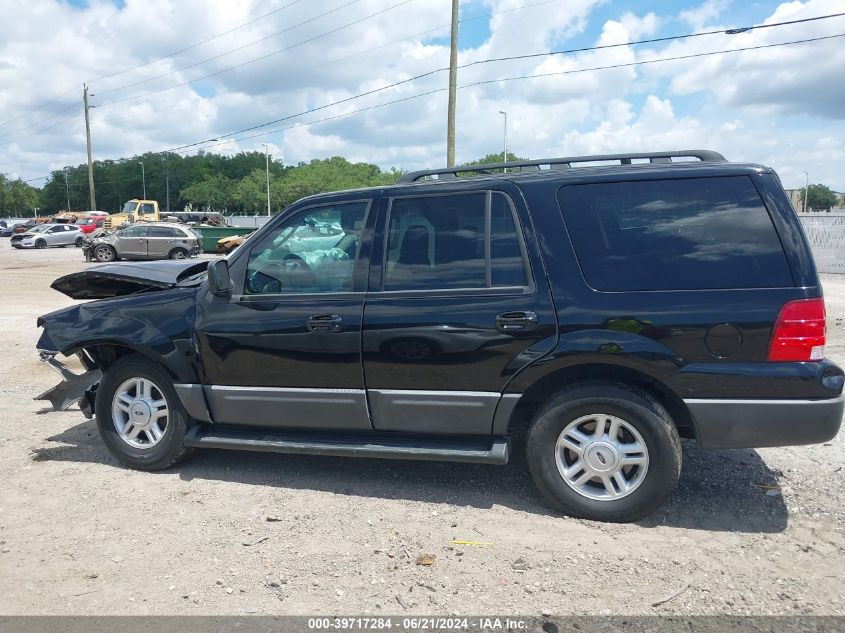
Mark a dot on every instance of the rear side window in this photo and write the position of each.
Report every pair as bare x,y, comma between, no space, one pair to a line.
684,234
460,241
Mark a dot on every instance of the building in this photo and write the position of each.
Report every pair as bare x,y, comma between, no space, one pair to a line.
795,199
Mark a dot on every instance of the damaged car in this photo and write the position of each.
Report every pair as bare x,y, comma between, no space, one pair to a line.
604,312
143,240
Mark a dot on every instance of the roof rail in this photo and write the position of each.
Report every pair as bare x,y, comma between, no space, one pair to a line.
704,155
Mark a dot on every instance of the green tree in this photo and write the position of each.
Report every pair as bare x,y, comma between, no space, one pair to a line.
251,192
17,198
491,159
215,193
819,197
331,174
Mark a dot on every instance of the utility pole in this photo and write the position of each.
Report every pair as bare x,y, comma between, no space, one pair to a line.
806,191
67,189
505,152
167,181
143,179
267,156
453,86
88,140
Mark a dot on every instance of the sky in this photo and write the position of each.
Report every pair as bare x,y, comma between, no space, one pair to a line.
211,74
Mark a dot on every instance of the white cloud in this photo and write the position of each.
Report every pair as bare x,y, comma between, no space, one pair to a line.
705,13
780,106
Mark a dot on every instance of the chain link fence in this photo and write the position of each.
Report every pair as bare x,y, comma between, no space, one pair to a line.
826,234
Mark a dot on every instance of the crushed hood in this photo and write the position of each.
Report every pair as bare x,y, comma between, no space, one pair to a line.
125,278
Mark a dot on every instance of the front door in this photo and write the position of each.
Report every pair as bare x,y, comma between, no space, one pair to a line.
458,303
285,349
133,241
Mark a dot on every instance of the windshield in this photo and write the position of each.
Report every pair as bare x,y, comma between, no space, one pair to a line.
40,228
85,221
129,207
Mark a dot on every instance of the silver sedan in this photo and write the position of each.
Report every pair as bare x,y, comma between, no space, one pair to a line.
45,235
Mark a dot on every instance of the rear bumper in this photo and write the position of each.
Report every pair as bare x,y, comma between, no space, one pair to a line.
760,423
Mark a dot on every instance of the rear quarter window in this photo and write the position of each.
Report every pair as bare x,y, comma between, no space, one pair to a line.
679,234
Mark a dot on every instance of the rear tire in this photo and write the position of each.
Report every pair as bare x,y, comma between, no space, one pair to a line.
130,397
625,473
178,253
79,242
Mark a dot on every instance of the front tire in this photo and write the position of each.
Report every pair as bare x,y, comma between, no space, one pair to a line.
139,415
40,244
604,451
105,254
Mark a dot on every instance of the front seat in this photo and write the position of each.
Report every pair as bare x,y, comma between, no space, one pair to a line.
413,256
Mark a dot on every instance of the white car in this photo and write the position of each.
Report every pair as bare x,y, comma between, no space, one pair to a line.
45,235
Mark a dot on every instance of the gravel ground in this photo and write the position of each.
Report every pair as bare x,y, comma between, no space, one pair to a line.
746,532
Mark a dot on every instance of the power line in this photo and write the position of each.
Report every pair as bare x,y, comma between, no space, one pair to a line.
478,83
31,125
273,77
229,52
41,107
158,59
37,132
489,81
478,62
655,40
432,72
193,46
257,59
335,60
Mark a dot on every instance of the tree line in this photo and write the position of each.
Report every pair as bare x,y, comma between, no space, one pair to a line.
232,184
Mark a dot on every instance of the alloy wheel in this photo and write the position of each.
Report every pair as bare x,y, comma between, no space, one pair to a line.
140,412
601,457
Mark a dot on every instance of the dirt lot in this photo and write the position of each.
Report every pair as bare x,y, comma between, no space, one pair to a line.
747,532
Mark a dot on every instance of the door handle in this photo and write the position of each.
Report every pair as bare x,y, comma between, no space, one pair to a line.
510,321
325,323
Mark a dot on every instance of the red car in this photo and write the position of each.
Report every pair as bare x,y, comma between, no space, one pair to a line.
89,225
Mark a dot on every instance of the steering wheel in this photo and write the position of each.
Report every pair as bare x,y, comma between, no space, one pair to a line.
292,272
297,272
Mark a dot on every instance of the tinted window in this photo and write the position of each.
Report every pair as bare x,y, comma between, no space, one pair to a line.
313,251
508,262
440,243
165,231
680,234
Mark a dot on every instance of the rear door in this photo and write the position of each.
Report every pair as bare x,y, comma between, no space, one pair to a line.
458,303
163,239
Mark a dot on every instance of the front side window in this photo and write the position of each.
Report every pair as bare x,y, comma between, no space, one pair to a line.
146,208
134,231
313,251
679,234
462,241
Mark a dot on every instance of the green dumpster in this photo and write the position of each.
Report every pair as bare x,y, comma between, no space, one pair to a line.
210,234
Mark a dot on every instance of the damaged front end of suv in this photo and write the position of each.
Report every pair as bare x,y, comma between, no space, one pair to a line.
145,308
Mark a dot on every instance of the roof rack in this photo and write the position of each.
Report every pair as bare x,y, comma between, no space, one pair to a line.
704,155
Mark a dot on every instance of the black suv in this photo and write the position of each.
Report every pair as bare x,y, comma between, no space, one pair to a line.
610,305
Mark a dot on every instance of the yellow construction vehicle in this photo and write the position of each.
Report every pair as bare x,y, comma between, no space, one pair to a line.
133,211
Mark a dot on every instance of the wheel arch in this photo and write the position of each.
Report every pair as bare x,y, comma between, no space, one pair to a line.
546,387
103,354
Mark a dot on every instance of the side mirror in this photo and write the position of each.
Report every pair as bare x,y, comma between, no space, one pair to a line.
219,281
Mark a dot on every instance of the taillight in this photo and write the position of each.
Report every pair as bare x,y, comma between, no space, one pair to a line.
799,332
